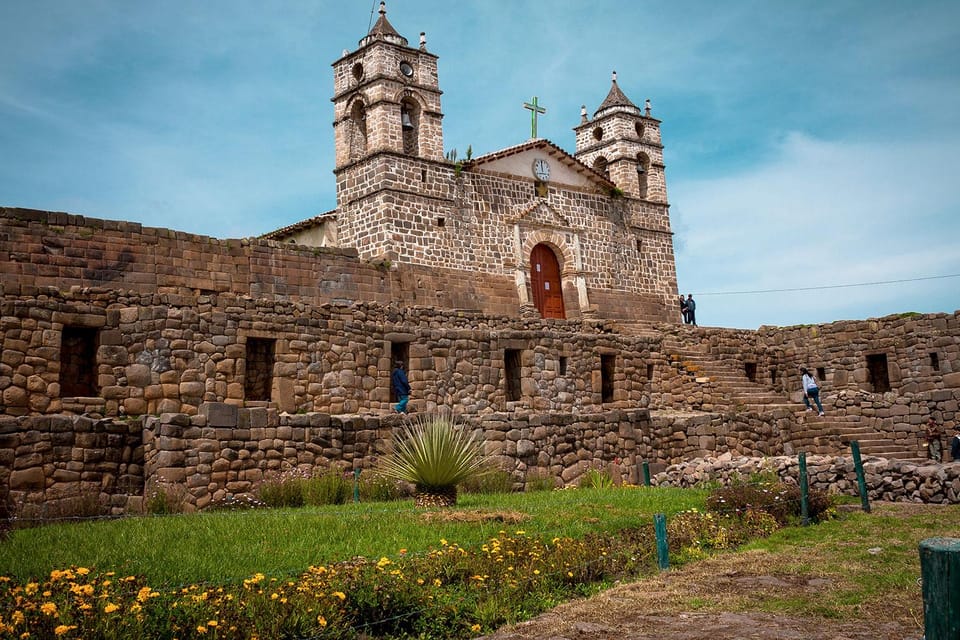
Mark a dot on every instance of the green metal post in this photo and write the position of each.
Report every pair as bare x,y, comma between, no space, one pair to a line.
940,573
646,473
861,479
663,549
356,485
804,491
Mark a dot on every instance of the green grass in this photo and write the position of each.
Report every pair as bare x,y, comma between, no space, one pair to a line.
227,547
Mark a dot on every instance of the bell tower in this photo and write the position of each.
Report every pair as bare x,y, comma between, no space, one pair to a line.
623,143
386,98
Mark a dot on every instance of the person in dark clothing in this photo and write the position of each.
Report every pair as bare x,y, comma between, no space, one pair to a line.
401,386
955,445
683,309
934,446
691,310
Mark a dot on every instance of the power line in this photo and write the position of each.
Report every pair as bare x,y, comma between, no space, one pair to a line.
828,286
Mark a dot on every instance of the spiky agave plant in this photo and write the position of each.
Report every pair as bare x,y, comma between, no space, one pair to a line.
435,453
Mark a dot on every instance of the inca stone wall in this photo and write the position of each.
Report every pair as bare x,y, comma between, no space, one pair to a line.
891,480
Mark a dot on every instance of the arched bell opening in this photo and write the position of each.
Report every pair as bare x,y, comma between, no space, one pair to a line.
643,169
600,166
358,130
410,126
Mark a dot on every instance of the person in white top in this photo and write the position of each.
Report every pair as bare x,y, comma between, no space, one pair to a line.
810,390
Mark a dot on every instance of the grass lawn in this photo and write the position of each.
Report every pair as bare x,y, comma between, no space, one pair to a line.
228,547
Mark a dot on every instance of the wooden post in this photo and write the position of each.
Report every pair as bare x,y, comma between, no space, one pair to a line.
356,485
861,479
646,473
663,549
804,490
940,573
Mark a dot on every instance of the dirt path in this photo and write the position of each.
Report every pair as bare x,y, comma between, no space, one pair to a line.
727,587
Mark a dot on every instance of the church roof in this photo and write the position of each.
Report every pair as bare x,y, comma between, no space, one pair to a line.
616,100
283,232
383,30
549,148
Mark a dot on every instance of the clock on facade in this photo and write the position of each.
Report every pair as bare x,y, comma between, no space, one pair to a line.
541,169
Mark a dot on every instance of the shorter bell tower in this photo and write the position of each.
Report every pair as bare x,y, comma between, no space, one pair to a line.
623,143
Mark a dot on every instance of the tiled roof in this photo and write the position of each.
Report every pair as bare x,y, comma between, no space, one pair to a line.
283,232
554,150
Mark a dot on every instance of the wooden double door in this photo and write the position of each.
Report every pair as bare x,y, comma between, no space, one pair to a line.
545,282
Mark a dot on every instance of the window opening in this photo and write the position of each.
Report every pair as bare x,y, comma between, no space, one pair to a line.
935,361
750,368
258,382
511,363
423,175
821,374
608,365
399,352
773,376
563,365
441,222
649,371
639,245
78,362
878,375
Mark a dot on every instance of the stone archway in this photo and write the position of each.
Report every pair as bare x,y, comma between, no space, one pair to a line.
545,284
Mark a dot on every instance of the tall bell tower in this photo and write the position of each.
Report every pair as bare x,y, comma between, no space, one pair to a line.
392,186
386,98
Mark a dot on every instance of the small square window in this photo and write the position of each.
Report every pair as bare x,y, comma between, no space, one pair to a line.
563,365
441,222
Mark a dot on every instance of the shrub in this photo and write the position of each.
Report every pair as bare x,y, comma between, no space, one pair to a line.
490,480
231,502
283,490
770,495
163,498
540,481
435,453
329,487
375,487
596,479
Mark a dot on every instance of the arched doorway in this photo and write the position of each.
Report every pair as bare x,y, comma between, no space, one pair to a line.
545,282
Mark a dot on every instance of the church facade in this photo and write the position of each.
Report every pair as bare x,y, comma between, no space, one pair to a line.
582,235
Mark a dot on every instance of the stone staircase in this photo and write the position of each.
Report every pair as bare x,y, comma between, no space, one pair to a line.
730,379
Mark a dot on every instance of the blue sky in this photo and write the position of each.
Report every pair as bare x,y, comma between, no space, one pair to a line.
807,143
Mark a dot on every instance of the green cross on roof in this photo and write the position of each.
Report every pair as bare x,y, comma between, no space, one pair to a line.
534,110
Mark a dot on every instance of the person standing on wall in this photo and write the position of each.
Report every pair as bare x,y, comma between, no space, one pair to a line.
691,317
683,309
955,445
401,387
811,389
934,445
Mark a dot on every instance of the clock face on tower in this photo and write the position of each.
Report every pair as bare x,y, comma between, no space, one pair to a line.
541,169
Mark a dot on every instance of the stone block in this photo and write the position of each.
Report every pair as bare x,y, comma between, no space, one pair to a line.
219,414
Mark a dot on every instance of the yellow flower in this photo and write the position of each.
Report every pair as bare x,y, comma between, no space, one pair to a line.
18,617
475,627
201,629
477,578
384,561
436,582
521,532
62,629
31,588
83,571
48,608
321,621
339,594
274,596
536,572
212,623
110,608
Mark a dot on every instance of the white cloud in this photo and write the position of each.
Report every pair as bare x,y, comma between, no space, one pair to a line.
823,213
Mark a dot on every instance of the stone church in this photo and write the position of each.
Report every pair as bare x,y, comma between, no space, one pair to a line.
583,235
529,291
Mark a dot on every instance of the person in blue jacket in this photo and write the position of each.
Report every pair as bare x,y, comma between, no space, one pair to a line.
401,386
